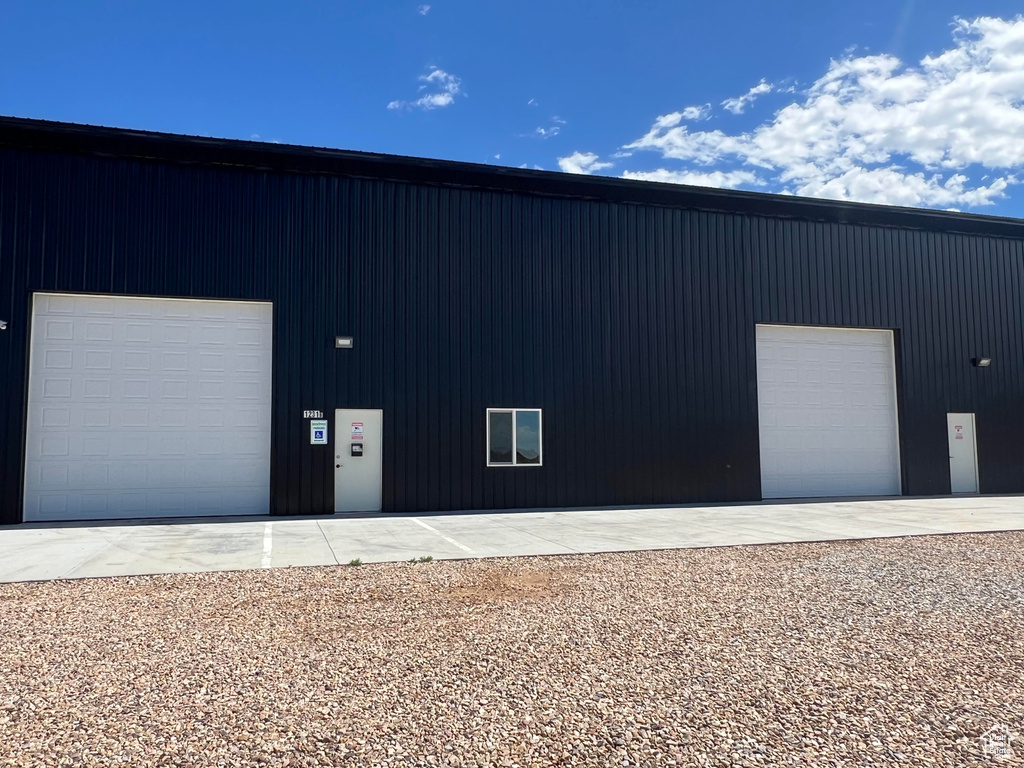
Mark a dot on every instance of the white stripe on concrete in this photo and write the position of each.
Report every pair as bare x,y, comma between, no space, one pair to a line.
268,544
463,547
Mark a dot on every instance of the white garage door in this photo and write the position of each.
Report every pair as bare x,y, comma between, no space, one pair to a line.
827,412
145,407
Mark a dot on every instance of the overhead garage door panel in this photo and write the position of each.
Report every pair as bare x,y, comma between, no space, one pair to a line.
145,407
827,412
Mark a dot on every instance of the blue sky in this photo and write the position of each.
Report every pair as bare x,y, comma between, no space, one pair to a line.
908,102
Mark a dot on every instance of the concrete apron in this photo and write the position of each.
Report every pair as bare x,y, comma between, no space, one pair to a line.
63,551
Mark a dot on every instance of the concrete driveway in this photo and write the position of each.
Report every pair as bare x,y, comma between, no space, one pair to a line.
69,551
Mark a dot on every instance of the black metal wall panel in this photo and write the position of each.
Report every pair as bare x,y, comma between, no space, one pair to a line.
949,297
631,325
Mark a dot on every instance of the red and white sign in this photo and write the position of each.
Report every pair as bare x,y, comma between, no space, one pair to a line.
357,427
959,432
357,437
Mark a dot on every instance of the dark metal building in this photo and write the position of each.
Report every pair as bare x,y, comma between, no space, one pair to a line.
681,344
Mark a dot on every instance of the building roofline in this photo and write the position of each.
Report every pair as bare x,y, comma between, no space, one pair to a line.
51,136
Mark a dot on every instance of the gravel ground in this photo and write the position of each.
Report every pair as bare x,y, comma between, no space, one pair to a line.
887,652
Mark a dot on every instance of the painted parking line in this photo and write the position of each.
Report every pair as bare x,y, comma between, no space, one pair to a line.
268,545
450,540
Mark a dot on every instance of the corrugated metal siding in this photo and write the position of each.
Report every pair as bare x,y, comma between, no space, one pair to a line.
632,326
949,297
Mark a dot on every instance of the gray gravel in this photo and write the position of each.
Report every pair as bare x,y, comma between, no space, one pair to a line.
889,652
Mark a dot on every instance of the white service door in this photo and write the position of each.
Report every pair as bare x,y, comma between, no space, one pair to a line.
827,412
358,460
963,453
147,407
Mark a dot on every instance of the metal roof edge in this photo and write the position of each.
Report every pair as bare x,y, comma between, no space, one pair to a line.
52,136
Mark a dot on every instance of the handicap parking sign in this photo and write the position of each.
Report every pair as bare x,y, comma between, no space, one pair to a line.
318,432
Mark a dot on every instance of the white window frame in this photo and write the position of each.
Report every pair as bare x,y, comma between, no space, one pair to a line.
515,454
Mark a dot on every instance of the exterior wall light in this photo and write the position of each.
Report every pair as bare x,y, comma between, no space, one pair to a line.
343,342
3,325
981,362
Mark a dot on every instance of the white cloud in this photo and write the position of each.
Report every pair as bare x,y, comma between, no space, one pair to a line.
552,130
434,100
442,86
720,179
423,10
739,104
875,130
894,187
582,162
703,112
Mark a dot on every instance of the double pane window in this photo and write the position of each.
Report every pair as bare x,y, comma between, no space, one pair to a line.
513,437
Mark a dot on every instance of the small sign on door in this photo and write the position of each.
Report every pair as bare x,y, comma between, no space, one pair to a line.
318,432
959,432
357,427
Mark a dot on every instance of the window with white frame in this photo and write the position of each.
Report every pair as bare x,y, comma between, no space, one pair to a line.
513,437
